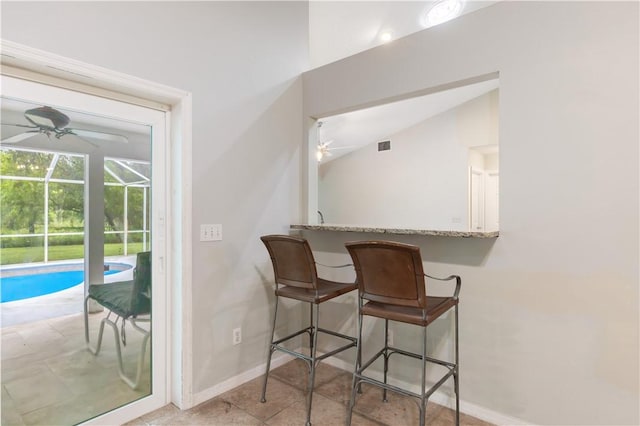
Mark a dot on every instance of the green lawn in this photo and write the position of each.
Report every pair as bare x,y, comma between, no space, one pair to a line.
14,255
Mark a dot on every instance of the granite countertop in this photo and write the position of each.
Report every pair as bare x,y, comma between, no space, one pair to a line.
398,231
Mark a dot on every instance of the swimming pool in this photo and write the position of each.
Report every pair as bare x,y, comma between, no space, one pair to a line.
25,283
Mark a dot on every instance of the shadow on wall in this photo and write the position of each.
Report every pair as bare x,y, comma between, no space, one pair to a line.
455,251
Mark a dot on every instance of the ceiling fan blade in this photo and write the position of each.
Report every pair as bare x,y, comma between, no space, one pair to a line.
342,147
80,139
20,137
19,125
109,137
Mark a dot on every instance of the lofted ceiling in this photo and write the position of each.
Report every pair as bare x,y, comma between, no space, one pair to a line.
338,29
353,130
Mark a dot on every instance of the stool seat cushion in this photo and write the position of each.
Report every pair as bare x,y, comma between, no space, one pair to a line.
324,291
436,306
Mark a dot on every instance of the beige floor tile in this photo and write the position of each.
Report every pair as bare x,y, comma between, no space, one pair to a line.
296,373
67,413
40,335
323,412
160,416
398,410
71,324
10,415
338,388
22,370
32,393
279,396
14,346
214,412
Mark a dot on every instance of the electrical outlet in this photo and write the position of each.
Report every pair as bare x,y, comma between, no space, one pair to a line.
237,336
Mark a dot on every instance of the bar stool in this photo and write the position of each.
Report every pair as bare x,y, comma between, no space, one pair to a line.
296,278
392,282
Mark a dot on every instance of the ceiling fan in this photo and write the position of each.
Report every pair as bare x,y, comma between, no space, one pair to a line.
324,150
51,122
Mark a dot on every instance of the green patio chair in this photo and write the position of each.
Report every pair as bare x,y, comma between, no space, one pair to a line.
127,301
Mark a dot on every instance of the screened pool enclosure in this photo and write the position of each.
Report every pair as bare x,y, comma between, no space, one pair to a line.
42,205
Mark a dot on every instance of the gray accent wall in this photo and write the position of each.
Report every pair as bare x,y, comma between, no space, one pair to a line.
549,310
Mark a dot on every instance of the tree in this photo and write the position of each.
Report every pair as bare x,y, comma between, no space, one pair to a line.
22,202
66,200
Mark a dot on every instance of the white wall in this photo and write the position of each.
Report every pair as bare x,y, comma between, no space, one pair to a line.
549,310
242,62
427,164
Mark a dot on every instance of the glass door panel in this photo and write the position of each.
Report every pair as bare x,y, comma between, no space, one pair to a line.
85,178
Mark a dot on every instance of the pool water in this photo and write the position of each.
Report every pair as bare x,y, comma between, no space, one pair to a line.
26,286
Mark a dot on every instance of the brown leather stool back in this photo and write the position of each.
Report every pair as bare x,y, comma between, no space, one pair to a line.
293,262
389,273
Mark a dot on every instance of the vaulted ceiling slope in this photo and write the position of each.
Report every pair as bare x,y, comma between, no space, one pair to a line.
338,29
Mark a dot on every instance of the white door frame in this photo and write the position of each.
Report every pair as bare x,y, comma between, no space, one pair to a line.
54,70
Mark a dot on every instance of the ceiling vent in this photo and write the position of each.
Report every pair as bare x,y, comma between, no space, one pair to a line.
384,146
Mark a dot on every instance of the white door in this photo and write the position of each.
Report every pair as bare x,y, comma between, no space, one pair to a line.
62,98
476,199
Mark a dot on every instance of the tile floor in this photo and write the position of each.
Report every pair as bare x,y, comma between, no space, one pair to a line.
49,378
286,404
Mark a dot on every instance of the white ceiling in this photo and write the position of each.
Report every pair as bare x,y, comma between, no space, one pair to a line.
353,130
338,29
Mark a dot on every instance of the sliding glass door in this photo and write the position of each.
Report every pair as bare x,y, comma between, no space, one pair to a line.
100,211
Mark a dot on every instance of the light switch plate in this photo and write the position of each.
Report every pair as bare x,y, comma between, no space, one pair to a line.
211,232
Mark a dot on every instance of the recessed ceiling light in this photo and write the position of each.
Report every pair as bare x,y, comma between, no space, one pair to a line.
385,36
442,11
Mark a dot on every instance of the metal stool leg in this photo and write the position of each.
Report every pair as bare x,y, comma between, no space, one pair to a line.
312,330
312,374
423,400
271,350
355,384
386,358
456,375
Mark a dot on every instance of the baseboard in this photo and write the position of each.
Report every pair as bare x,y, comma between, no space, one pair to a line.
443,399
238,380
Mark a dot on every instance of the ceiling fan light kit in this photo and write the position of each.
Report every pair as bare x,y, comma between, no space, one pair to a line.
324,150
